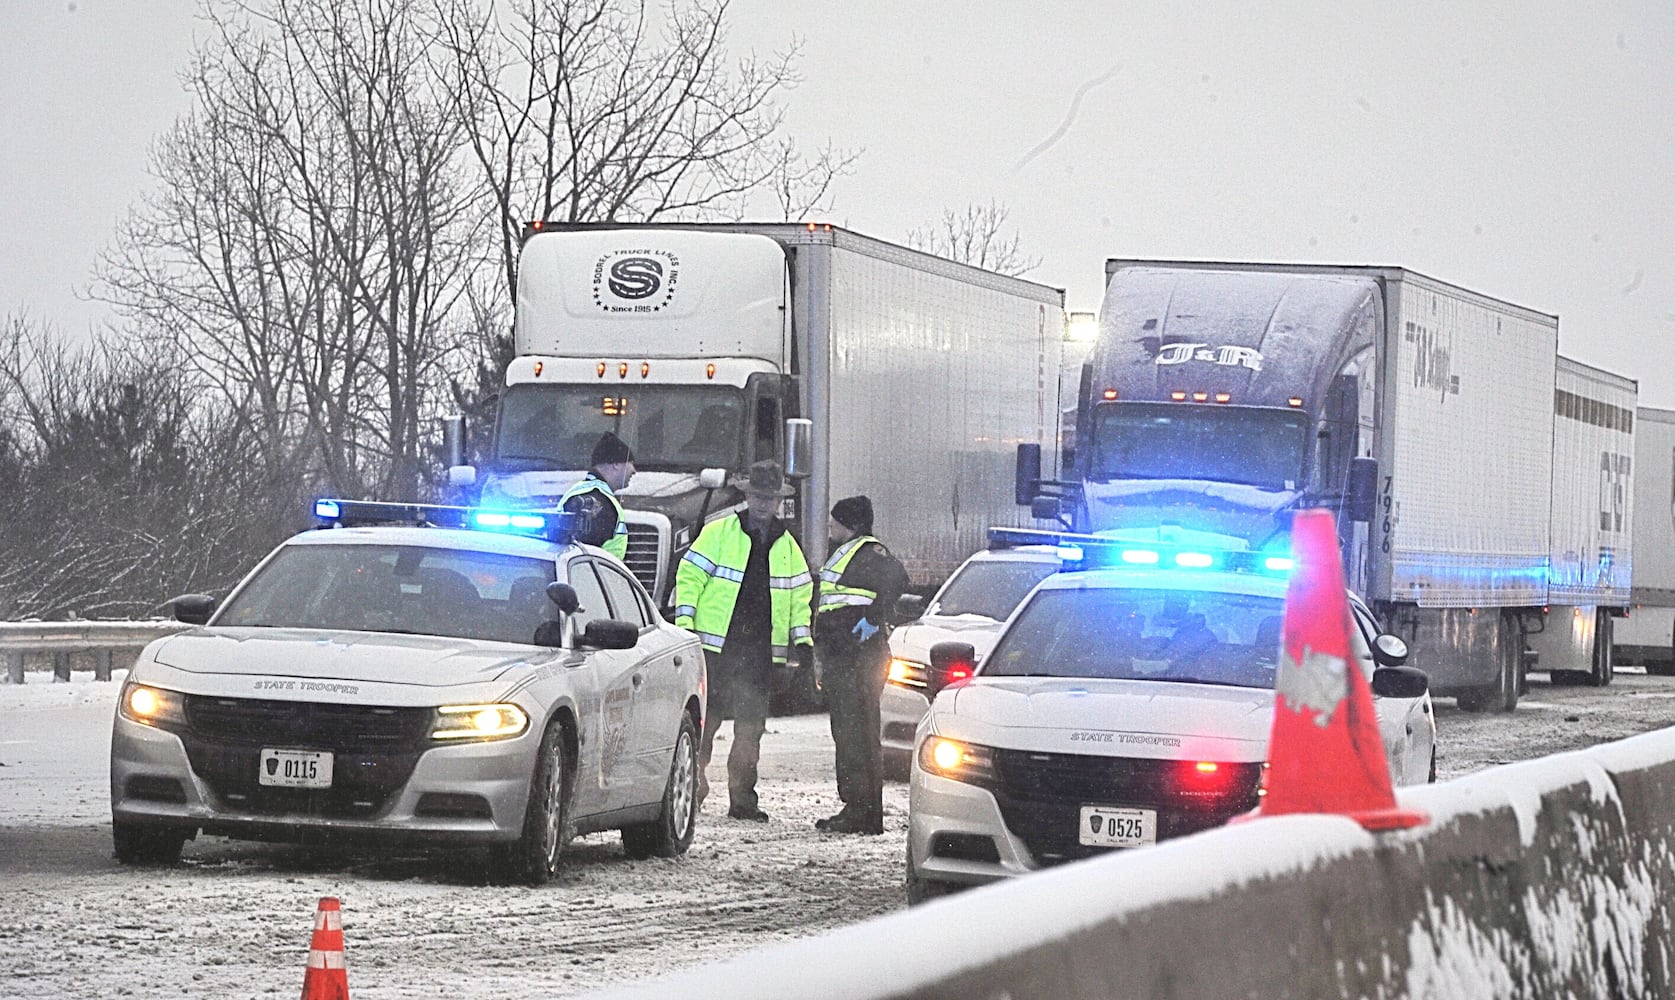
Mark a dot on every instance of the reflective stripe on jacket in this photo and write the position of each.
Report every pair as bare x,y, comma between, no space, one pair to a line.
617,544
709,576
833,593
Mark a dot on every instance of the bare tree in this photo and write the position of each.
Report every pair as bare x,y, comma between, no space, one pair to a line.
615,110
977,236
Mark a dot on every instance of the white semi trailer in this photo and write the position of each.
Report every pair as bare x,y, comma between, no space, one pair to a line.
1647,636
862,366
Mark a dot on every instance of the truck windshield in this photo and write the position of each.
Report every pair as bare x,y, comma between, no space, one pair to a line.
397,588
1225,444
991,587
671,428
1120,633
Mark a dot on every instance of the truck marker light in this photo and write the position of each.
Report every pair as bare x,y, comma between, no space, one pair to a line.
709,371
1110,394
1139,557
538,225
1294,401
1224,397
538,366
1200,397
601,369
1193,560
645,368
622,370
1178,396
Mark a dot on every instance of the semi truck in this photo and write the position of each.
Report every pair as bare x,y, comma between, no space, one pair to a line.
1647,636
861,366
1221,397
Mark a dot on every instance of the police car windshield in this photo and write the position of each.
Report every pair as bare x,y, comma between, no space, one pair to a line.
1113,633
669,427
397,588
1228,444
991,587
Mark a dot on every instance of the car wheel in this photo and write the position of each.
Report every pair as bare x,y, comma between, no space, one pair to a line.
1433,776
920,890
533,858
147,843
670,834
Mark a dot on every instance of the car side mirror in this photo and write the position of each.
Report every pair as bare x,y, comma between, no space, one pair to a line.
951,663
712,479
563,597
550,634
606,633
1389,651
1400,682
910,607
193,609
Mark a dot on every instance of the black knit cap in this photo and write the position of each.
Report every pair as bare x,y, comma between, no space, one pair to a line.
854,513
610,451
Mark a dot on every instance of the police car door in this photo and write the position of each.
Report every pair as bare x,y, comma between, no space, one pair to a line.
606,778
657,686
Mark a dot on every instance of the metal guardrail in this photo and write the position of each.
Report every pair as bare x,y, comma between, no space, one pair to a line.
20,640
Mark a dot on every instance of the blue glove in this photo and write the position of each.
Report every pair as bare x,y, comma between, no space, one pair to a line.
865,629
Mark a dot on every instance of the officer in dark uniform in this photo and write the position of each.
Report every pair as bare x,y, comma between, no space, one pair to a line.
593,500
858,589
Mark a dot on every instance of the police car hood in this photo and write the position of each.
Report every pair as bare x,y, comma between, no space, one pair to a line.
372,658
914,641
1117,718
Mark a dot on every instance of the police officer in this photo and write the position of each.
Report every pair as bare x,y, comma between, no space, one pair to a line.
745,589
593,498
858,589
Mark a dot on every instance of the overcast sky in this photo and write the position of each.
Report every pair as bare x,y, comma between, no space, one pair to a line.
1525,151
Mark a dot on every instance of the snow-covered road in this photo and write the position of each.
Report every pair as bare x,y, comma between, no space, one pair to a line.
234,919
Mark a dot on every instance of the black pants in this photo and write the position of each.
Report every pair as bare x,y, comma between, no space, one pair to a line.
853,683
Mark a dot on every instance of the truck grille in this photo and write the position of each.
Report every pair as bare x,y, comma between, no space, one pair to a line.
1041,796
643,557
374,751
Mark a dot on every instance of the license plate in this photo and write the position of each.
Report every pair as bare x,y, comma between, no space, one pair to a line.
1107,826
295,769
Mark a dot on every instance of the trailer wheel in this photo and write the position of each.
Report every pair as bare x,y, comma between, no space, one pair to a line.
1500,695
1604,664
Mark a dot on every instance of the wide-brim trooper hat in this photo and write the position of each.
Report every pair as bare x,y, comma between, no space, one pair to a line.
766,479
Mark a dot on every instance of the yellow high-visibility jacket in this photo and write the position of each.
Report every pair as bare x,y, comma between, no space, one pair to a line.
709,576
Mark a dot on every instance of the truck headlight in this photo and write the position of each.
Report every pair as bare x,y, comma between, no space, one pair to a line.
957,759
479,722
152,706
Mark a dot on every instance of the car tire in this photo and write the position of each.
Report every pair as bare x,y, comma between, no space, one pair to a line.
670,834
920,890
148,843
533,858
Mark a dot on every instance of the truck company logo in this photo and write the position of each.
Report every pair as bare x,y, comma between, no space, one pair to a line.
1180,354
635,281
1318,682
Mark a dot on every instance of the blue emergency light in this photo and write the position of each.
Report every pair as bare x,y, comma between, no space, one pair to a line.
552,525
1098,551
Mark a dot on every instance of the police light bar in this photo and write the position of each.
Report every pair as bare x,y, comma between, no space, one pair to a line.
553,525
1082,552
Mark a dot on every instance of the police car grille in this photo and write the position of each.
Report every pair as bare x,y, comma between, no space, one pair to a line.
1041,796
643,557
374,751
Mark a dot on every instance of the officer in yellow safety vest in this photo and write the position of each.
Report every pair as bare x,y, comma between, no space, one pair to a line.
858,589
745,589
593,499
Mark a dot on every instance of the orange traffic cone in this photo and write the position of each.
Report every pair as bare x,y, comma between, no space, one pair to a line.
326,978
1325,754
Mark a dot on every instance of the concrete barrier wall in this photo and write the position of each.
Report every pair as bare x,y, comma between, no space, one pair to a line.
1545,879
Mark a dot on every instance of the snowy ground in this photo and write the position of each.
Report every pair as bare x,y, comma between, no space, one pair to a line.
234,919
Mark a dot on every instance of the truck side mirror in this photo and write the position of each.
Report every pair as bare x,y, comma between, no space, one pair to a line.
1026,475
1044,508
193,609
564,597
462,475
712,479
1362,500
799,447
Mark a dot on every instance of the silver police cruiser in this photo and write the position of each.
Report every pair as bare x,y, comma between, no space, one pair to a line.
421,674
1128,700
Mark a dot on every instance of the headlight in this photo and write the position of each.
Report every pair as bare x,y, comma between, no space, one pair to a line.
479,722
151,706
957,760
907,673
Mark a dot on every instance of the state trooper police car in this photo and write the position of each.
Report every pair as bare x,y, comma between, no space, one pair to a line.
416,673
1128,700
